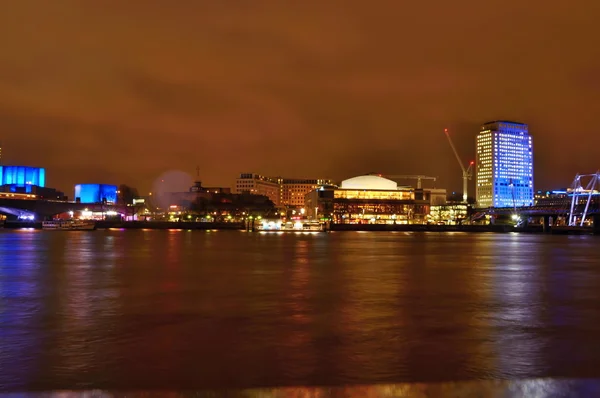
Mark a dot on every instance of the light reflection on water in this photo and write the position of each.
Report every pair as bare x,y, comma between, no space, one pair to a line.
192,309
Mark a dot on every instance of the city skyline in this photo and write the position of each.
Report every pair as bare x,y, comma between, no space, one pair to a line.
121,93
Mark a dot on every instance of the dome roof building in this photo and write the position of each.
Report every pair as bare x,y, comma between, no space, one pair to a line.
369,182
368,199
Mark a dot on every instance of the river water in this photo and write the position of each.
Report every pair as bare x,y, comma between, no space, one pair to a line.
183,310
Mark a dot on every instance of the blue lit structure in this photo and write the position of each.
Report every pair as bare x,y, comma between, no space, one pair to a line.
96,193
504,165
22,177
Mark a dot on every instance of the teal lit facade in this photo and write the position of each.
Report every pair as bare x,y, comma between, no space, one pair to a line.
22,176
504,165
96,193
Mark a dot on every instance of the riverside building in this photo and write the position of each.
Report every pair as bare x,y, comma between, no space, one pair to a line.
257,184
368,199
504,165
283,192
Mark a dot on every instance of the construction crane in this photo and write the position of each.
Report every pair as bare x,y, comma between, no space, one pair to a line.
419,178
467,173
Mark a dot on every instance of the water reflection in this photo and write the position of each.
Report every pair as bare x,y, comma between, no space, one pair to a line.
21,307
193,309
466,389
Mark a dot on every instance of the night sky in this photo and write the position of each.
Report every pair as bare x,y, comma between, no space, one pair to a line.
123,91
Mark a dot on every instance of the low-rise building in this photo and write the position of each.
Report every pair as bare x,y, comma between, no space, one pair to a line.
549,198
368,199
448,214
188,198
31,191
197,187
283,192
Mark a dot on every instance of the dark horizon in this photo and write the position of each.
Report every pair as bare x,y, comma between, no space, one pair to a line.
124,92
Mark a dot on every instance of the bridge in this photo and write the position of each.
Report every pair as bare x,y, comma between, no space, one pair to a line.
548,215
551,210
576,208
30,206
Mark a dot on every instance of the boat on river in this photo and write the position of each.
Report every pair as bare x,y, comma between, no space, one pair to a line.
69,225
290,226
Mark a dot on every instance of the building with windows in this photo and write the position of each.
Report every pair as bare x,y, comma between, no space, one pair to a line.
257,184
504,165
368,199
283,192
293,191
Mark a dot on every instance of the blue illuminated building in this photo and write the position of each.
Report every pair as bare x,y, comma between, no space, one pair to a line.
504,165
96,193
23,177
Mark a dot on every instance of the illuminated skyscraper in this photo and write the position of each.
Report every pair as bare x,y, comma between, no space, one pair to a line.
504,165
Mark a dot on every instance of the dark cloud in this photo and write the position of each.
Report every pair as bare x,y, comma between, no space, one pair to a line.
123,91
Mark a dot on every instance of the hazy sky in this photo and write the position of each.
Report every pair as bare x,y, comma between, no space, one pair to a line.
122,91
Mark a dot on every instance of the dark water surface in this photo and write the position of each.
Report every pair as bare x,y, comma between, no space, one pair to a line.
180,310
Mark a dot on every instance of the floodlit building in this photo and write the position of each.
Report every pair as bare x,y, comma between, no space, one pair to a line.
448,214
22,177
95,193
257,184
293,191
368,199
504,165
283,192
29,181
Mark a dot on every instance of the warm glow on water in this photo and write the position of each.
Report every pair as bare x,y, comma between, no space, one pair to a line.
160,310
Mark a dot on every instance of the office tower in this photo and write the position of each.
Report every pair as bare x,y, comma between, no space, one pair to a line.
504,165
